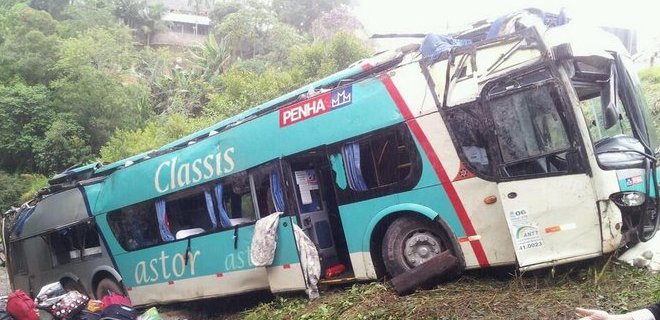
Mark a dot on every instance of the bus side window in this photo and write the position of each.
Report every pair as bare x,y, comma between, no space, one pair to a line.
62,245
470,137
531,134
91,240
238,203
136,226
74,243
268,190
189,214
378,161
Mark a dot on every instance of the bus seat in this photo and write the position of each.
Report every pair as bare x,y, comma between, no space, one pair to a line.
237,221
185,233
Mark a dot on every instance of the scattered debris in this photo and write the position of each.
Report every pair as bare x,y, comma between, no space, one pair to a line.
644,255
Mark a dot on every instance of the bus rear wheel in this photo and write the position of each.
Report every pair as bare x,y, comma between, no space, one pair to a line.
410,241
107,286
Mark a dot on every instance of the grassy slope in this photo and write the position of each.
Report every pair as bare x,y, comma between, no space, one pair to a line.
478,295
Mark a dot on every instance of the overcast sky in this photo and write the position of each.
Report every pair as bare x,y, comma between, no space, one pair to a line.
422,16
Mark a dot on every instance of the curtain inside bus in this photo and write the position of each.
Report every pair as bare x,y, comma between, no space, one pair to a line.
224,218
165,232
351,152
210,208
276,191
20,222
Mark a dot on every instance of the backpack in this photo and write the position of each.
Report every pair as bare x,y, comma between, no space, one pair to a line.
20,306
114,298
118,312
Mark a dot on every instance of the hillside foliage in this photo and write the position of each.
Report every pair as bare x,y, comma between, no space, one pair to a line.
80,81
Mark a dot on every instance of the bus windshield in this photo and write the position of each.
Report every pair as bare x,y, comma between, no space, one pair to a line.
615,111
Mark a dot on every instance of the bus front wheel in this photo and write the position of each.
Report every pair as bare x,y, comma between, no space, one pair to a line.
410,241
107,286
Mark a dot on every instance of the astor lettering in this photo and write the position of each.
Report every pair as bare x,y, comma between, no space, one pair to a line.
165,267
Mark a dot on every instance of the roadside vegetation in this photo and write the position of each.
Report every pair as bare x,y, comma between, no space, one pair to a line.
488,294
80,81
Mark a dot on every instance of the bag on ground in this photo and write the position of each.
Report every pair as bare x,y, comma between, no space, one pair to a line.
20,306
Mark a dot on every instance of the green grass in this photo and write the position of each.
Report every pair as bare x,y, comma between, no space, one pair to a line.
494,294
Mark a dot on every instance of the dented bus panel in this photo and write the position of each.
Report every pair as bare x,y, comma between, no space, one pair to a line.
531,147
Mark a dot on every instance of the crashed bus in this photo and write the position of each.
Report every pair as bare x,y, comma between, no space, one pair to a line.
513,143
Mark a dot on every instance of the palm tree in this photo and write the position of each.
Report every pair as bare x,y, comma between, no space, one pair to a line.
198,4
150,21
129,11
211,58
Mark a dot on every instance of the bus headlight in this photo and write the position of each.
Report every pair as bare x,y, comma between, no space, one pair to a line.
628,198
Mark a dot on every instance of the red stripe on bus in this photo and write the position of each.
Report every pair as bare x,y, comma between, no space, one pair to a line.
129,289
437,167
219,275
286,266
170,282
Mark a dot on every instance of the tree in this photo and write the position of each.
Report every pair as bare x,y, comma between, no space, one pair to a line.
202,5
26,111
301,14
223,9
11,189
242,89
157,132
335,21
53,7
150,22
246,29
63,145
129,11
86,15
96,83
322,58
29,46
255,31
211,58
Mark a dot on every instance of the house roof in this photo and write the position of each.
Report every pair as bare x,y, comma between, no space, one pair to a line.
186,18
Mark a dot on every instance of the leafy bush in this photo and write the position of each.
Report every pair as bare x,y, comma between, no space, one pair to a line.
11,189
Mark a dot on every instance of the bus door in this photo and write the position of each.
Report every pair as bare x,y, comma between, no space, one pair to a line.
268,187
544,186
286,272
315,205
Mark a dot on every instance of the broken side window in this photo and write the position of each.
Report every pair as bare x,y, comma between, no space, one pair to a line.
237,199
268,190
190,213
74,243
379,160
531,134
135,226
471,137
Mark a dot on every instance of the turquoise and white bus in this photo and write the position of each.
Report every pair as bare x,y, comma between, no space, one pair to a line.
528,145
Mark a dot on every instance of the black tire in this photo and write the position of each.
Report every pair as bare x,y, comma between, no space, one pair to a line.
402,230
106,286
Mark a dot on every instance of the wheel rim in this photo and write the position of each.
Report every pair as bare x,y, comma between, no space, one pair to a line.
421,247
